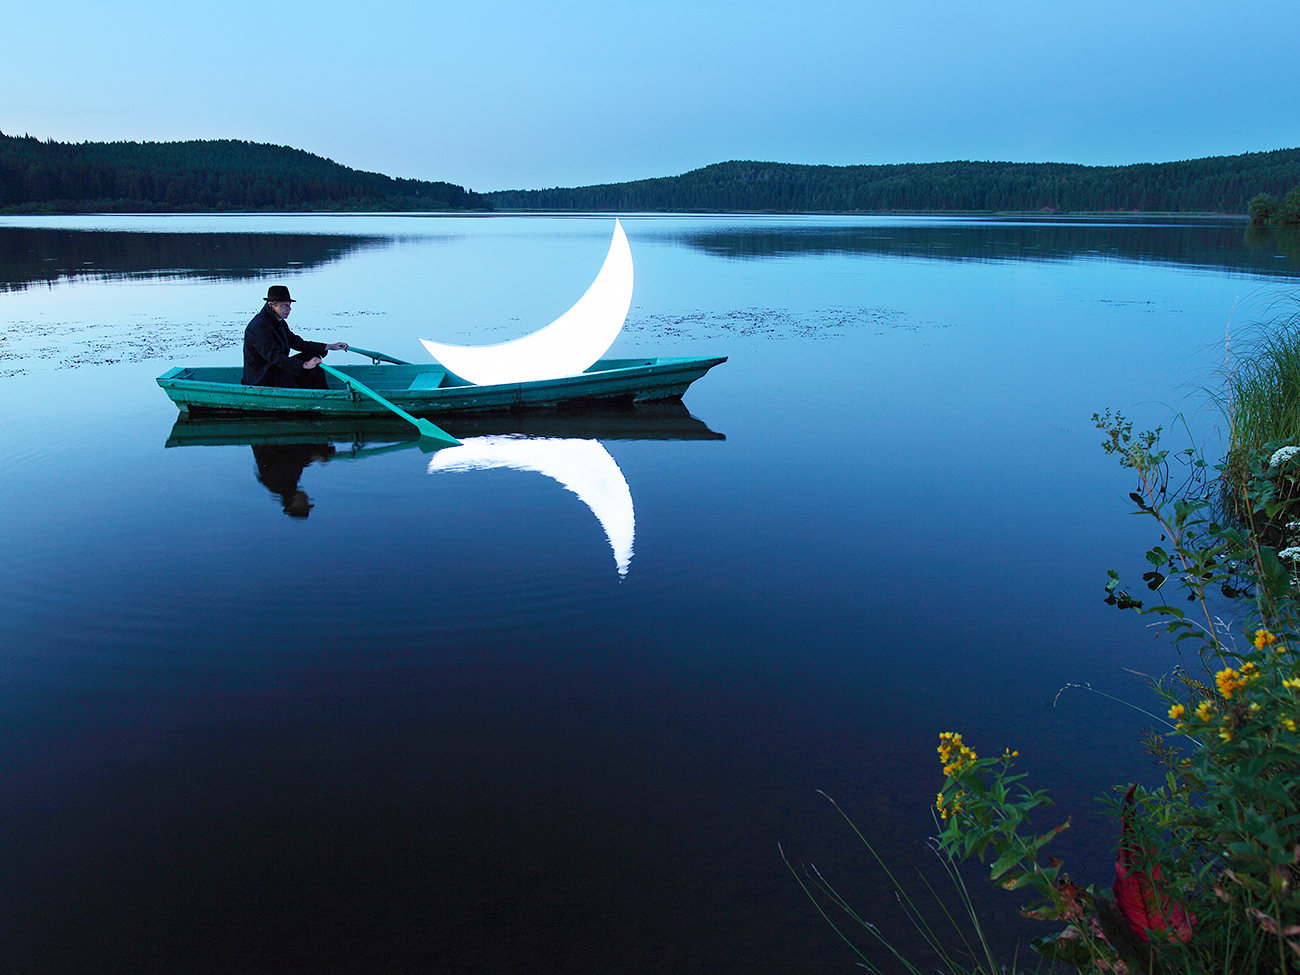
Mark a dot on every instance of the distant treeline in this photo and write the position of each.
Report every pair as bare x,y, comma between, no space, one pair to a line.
60,177
1218,184
224,175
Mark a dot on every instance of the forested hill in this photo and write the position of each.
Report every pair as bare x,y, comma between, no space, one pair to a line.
42,176
1218,184
63,177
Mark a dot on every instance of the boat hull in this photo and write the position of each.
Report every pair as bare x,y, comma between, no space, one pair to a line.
429,390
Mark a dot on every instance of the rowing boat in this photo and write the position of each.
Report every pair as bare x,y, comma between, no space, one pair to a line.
429,389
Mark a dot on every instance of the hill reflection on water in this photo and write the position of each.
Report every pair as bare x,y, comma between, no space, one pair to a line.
45,255
1217,243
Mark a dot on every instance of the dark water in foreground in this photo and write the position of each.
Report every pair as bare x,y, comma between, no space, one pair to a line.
463,719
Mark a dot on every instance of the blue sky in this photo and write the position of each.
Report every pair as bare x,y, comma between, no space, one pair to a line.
502,94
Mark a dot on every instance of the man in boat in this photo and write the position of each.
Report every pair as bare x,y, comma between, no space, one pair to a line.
267,342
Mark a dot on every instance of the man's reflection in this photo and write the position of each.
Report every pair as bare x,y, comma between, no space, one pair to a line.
279,466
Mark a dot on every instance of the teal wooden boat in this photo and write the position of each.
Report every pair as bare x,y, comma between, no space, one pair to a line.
430,390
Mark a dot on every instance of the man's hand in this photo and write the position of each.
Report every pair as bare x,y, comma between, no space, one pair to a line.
335,346
312,363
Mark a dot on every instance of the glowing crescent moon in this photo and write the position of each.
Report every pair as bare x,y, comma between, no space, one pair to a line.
569,345
583,466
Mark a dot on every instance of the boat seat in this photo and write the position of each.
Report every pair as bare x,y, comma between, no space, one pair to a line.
428,380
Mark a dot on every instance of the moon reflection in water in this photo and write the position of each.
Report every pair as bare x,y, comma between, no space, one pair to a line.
583,466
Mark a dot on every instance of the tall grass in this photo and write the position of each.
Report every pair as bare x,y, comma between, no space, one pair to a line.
1260,400
1263,381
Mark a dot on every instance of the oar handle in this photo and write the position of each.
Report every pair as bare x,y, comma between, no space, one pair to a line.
378,357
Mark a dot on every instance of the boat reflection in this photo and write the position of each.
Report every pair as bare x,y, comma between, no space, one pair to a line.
566,447
284,448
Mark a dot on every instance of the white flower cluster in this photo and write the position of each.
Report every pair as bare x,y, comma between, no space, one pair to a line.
1282,455
1290,554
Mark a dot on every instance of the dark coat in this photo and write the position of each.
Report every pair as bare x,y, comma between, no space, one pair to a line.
267,361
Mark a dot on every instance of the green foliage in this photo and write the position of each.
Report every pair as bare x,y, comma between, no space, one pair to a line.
1262,209
984,812
219,175
988,815
1221,184
1289,211
1209,865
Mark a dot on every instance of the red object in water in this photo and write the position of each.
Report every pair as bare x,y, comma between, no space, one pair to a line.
1138,896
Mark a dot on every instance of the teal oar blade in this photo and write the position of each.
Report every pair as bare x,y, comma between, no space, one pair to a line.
378,356
428,429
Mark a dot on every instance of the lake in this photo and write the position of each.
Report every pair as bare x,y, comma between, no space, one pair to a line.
460,713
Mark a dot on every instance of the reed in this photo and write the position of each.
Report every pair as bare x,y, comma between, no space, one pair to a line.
1262,386
1260,402
960,947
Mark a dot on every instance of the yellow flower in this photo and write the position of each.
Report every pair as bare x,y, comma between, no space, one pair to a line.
946,809
1177,711
1230,681
1263,638
1289,724
1291,682
1225,734
1205,710
954,754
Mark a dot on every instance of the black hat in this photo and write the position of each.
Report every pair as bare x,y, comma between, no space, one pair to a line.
278,292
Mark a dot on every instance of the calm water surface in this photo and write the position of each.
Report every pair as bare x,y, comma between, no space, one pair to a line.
550,705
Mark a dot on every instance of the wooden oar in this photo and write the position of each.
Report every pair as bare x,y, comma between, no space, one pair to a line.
428,429
378,357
